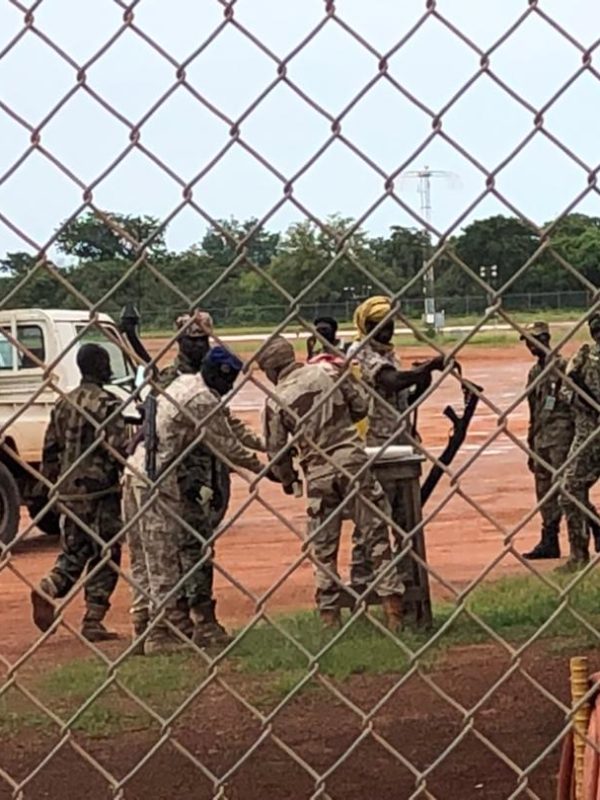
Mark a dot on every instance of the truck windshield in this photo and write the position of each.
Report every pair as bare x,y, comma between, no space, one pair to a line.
106,336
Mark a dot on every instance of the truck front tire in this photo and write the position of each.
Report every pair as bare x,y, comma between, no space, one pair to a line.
10,505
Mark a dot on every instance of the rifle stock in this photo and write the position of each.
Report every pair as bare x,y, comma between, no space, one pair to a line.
460,426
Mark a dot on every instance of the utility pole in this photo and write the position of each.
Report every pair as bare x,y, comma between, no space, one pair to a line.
424,176
489,274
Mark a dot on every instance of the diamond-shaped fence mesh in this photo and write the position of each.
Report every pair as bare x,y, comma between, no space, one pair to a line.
225,572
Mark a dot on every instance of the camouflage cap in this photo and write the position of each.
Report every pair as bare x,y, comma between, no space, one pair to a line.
539,328
277,352
195,325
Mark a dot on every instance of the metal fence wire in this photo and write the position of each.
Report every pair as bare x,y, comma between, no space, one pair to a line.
267,697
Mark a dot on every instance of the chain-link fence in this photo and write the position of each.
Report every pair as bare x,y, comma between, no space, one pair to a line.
278,579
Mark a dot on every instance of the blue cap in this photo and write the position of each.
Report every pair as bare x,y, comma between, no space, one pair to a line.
219,356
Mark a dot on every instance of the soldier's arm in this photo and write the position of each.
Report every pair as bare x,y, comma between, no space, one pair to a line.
244,433
52,449
276,438
116,434
356,397
532,420
219,437
393,379
589,386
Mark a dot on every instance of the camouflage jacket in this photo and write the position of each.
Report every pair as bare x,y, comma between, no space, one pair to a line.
180,366
72,430
550,415
585,367
307,401
180,422
372,357
199,468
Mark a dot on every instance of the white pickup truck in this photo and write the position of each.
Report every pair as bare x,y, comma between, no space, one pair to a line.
25,403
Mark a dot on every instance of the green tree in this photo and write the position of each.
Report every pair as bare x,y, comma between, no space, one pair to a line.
90,238
402,254
17,264
505,242
218,246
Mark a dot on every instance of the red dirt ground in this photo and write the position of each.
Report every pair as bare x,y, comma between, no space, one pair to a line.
255,552
515,720
257,549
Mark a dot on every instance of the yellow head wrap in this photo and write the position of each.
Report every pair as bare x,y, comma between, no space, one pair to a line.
372,310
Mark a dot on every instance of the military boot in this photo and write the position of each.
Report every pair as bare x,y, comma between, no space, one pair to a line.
42,605
392,612
207,629
578,559
331,618
547,547
92,628
141,620
162,640
185,624
595,531
163,637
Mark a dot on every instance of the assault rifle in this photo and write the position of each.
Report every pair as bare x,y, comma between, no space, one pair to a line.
460,426
129,321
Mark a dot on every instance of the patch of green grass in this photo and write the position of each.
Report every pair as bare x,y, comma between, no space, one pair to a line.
15,715
161,682
270,665
159,677
515,608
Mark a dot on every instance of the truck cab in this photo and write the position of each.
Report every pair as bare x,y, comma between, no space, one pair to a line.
50,340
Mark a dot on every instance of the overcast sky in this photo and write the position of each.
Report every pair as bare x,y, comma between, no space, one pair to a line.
232,72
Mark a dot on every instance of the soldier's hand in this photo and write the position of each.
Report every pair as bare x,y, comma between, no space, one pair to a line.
437,363
206,495
270,475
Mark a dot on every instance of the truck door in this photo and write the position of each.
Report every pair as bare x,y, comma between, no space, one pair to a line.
24,409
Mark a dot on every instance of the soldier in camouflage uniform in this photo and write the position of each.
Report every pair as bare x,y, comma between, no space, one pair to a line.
134,496
177,531
86,484
549,436
584,471
203,477
331,454
198,471
398,388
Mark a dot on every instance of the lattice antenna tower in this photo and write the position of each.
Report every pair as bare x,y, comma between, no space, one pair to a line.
424,177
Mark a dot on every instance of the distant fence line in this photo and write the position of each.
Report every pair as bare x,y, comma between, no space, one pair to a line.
466,305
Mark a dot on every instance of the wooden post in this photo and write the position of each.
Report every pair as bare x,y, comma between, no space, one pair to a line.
404,474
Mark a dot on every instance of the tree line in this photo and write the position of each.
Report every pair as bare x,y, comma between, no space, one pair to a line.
245,274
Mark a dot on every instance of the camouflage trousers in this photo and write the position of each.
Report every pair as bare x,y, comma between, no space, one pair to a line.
581,474
163,550
551,511
81,552
361,568
132,501
371,541
196,552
